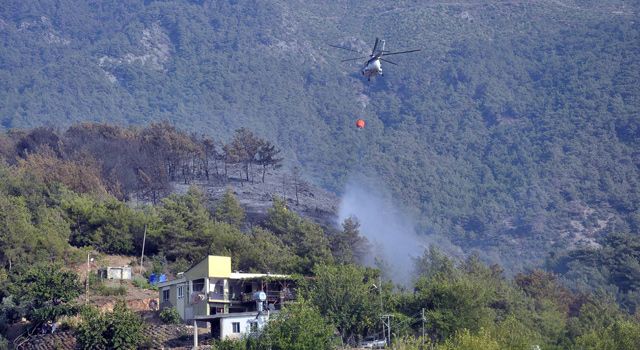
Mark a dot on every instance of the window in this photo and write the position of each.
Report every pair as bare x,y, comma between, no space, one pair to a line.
198,285
165,295
219,287
180,292
236,327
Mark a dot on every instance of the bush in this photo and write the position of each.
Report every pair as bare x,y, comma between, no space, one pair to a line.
465,340
412,343
232,344
143,284
120,329
170,316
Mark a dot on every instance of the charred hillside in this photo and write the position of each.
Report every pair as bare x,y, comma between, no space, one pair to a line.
256,197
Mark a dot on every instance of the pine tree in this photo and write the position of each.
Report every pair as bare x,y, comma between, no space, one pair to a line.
229,210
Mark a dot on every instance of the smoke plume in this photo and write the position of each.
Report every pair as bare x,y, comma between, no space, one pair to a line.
390,229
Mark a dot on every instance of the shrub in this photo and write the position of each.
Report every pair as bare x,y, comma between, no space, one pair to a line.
120,329
465,340
143,284
170,316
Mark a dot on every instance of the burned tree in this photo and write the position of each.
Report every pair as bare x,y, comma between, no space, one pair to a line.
300,186
267,157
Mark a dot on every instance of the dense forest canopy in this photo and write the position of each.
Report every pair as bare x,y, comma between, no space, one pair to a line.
516,128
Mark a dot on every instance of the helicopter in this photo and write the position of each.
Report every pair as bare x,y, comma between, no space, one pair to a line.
373,65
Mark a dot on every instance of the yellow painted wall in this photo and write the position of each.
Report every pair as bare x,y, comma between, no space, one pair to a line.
219,266
212,266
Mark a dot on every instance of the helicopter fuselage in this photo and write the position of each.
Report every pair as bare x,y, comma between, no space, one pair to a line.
372,68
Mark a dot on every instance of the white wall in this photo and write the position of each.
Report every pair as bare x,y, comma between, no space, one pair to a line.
227,326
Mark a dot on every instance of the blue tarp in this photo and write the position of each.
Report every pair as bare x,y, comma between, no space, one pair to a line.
157,278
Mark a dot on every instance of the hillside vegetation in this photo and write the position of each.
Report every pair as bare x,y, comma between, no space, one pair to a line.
515,130
45,227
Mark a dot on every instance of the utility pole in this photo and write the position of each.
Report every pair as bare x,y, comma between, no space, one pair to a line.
386,321
380,290
144,239
86,283
423,326
389,328
381,304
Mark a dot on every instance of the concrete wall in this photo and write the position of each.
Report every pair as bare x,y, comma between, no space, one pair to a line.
116,273
227,326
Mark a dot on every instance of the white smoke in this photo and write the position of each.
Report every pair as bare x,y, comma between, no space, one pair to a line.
390,229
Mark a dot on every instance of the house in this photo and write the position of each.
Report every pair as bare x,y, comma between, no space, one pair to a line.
232,303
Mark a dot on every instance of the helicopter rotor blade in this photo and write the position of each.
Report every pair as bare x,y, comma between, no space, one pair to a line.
344,48
375,46
382,59
353,59
397,53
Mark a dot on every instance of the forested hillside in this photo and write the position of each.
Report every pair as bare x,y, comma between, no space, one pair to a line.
48,230
516,129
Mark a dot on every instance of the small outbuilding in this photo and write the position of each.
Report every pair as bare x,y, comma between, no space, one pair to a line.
115,273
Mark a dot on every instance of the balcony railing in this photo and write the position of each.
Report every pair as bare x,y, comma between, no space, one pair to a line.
273,296
218,296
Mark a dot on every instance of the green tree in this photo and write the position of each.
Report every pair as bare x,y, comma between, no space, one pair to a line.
108,225
454,297
229,209
514,335
346,296
120,329
47,291
267,252
186,228
297,327
621,335
16,230
32,226
452,304
306,238
347,245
